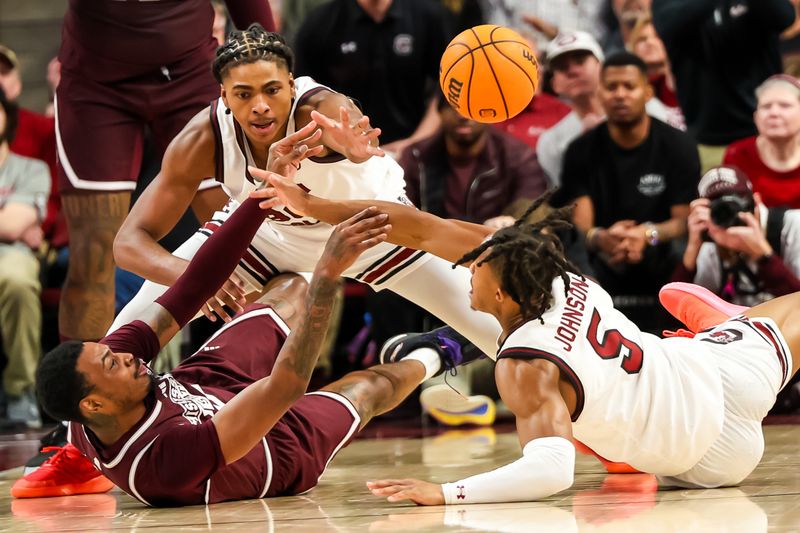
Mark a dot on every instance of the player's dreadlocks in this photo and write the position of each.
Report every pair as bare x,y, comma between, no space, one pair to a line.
527,257
251,45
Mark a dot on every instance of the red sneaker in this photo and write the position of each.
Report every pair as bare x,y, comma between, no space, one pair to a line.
697,307
611,466
65,473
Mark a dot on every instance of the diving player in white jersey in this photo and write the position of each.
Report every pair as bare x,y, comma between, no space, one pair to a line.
686,409
261,103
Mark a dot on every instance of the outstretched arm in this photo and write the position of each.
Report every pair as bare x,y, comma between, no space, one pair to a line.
244,421
216,260
531,391
447,238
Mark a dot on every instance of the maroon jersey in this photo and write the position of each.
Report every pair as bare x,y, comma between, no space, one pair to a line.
172,456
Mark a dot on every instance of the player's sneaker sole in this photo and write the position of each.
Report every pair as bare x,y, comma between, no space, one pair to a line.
96,485
453,409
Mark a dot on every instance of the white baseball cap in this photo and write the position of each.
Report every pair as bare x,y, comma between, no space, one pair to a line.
572,41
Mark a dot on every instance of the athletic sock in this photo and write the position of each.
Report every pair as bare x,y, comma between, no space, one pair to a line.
429,358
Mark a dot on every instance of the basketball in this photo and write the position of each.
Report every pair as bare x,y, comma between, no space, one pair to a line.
488,73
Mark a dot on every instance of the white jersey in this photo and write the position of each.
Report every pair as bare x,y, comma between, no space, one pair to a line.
656,404
288,241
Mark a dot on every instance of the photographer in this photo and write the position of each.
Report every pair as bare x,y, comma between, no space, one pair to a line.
737,247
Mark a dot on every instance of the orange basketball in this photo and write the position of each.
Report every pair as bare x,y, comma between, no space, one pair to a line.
488,73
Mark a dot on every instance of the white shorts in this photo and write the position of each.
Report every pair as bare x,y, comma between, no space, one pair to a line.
755,364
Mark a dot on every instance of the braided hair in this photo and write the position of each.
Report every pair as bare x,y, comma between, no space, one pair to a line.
251,45
528,256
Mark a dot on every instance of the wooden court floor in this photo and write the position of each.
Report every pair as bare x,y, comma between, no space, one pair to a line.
769,500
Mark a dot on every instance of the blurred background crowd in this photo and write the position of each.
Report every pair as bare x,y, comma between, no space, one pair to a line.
672,125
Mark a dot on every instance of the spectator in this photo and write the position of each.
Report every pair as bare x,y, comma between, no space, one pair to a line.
219,28
24,186
738,248
645,43
383,54
544,112
574,59
542,20
772,159
720,51
471,171
35,137
632,179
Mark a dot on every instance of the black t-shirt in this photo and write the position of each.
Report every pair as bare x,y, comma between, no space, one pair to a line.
390,67
720,51
640,184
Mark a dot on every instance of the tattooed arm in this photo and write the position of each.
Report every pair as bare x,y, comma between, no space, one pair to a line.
251,414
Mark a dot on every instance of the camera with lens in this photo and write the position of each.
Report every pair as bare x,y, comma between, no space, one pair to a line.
725,211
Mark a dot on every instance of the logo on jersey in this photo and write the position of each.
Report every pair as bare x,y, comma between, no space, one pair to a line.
196,408
403,44
652,184
723,336
460,494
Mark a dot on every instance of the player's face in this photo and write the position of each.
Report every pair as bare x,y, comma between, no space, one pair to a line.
260,97
484,286
461,130
778,113
575,74
119,380
624,91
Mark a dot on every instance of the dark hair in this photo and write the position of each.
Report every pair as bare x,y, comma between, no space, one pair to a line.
12,117
527,257
625,59
60,386
251,45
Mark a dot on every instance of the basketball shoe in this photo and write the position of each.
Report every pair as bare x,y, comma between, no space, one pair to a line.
66,472
453,348
451,408
440,401
697,307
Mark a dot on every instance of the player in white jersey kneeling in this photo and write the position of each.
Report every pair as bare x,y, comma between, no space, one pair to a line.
570,365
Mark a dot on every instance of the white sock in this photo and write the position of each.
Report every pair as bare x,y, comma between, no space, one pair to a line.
429,358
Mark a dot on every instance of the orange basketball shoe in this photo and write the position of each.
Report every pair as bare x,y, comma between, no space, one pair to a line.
697,307
65,473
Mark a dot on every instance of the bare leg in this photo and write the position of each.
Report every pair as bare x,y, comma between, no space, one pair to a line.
785,312
87,299
380,388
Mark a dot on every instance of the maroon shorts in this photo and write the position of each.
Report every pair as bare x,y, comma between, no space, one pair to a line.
100,126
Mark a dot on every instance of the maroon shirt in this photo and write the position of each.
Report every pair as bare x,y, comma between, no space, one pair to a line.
172,456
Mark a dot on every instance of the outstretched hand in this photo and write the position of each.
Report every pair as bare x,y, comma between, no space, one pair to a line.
279,190
418,491
357,142
351,238
286,154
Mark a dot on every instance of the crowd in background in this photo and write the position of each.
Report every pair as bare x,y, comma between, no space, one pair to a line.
672,125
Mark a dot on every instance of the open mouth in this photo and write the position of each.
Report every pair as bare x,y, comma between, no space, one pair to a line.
262,126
